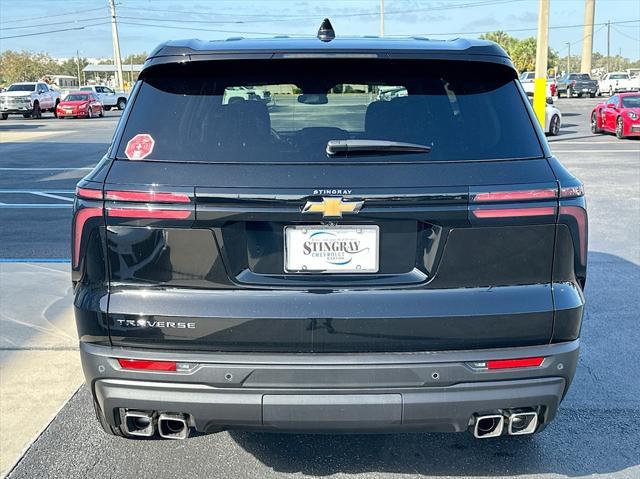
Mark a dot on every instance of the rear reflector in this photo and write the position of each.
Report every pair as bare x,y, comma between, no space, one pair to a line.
82,216
148,214
89,194
147,196
514,212
518,195
147,365
515,363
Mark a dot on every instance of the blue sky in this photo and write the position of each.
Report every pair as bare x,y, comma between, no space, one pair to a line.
145,23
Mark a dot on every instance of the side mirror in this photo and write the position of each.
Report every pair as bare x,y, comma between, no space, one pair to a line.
612,106
549,100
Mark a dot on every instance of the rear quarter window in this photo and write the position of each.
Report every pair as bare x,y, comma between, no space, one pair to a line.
287,110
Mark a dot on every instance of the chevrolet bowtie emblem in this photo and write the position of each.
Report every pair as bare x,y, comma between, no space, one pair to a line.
332,207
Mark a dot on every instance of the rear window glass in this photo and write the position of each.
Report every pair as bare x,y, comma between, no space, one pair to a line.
76,97
287,110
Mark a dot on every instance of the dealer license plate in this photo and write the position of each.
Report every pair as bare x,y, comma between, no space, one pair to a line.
331,249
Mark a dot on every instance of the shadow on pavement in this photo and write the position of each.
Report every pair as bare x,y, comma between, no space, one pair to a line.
12,127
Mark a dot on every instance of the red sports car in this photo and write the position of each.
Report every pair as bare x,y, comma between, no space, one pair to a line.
80,104
620,114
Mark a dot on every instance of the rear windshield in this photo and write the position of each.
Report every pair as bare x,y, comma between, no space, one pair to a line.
287,110
76,97
22,87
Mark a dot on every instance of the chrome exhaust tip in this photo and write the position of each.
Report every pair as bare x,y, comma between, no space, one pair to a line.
521,423
488,426
138,423
173,426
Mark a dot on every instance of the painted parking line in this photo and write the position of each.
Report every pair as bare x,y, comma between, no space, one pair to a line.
560,150
35,260
35,205
53,194
45,169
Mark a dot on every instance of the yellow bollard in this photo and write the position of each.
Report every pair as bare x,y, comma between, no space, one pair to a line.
540,99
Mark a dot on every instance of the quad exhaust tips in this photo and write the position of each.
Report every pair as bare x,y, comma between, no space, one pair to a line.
139,423
488,426
173,426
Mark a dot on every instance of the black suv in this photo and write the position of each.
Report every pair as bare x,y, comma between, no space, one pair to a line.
309,235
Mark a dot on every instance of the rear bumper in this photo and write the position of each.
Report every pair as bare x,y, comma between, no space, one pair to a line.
331,392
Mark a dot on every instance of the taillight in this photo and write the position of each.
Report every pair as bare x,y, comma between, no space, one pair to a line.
87,212
147,196
517,195
148,213
514,212
571,191
82,216
88,193
579,215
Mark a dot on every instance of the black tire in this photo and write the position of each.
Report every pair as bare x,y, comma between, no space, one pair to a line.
5,116
107,108
36,114
122,103
592,95
106,427
554,125
26,115
620,128
579,95
594,124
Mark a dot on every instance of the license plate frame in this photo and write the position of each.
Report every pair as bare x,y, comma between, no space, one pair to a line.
347,261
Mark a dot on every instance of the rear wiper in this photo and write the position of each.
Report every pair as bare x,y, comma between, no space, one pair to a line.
373,147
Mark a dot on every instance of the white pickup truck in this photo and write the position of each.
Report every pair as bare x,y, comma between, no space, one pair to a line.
28,99
616,82
108,97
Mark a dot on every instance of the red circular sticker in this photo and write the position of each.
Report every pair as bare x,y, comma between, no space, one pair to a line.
139,147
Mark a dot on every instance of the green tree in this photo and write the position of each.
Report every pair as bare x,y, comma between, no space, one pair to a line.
522,52
70,66
25,66
136,58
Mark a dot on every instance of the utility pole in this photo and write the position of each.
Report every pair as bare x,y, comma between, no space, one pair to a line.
78,64
382,18
587,41
542,52
608,46
569,57
116,46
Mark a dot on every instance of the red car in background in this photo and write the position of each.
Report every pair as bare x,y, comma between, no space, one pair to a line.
620,114
80,104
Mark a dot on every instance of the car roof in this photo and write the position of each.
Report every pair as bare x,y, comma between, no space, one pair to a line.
629,93
352,47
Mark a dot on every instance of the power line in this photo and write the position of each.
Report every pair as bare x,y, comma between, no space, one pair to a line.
175,27
52,23
376,13
509,30
50,16
55,31
626,35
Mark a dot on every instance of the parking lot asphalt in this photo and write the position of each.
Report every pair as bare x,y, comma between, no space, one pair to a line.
594,435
